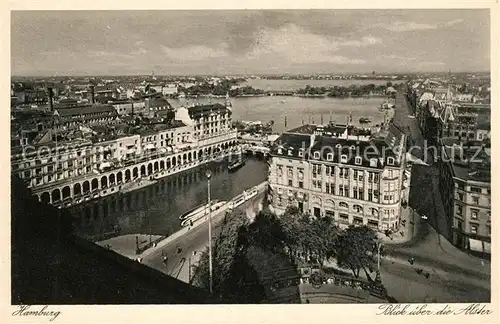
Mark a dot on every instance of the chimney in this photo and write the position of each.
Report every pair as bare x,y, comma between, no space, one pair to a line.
51,99
92,93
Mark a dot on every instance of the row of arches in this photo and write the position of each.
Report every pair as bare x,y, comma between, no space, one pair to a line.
146,169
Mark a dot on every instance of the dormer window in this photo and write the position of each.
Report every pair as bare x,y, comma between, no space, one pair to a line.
280,151
329,156
338,146
357,160
343,158
316,155
352,147
301,153
373,163
290,152
390,161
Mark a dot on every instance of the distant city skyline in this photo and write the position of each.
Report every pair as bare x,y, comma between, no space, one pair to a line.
47,43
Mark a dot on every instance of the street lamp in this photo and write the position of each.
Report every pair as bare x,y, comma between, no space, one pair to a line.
379,246
209,175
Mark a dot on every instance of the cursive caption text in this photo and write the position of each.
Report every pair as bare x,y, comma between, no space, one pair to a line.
425,309
28,310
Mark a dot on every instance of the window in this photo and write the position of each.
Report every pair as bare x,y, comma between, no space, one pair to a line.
475,200
361,193
475,189
341,190
290,182
370,194
290,152
338,146
459,211
373,163
357,160
355,193
329,213
460,196
460,186
375,195
390,160
473,229
329,156
343,158
375,178
301,153
355,174
280,151
474,213
343,205
316,155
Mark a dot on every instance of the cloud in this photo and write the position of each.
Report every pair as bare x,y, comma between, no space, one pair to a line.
430,63
139,51
296,45
106,54
404,26
454,22
194,53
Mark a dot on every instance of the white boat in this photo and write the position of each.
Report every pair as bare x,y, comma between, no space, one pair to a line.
196,210
196,215
237,201
250,193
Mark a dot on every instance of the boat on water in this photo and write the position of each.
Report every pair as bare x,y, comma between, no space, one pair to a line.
199,213
237,201
283,101
249,194
196,210
233,166
364,120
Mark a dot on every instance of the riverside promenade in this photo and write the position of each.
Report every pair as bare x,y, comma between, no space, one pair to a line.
183,248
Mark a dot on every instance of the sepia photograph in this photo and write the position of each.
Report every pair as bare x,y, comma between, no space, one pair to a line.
260,156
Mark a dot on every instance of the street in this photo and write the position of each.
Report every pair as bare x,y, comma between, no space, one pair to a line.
179,261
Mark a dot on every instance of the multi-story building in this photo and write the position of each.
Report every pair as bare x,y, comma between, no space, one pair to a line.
65,172
354,181
440,116
465,187
129,106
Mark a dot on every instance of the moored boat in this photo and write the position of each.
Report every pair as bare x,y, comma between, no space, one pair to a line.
196,215
196,210
249,194
233,166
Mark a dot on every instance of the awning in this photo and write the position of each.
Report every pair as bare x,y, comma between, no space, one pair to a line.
475,245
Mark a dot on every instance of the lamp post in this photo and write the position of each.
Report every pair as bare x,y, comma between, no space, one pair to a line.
209,175
379,246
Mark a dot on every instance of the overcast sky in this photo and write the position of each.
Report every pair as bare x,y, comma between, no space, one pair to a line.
246,42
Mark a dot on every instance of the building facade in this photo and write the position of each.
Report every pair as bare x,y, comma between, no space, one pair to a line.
352,181
69,172
465,188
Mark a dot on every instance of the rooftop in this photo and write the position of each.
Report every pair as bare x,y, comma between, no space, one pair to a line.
84,110
470,160
303,146
205,109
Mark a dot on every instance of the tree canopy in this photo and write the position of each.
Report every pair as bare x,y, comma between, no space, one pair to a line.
354,249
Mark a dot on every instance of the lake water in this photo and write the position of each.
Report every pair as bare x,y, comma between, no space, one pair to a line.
299,110
288,85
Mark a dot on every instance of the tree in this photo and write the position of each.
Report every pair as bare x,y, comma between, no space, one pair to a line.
227,249
354,249
266,232
324,233
290,227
